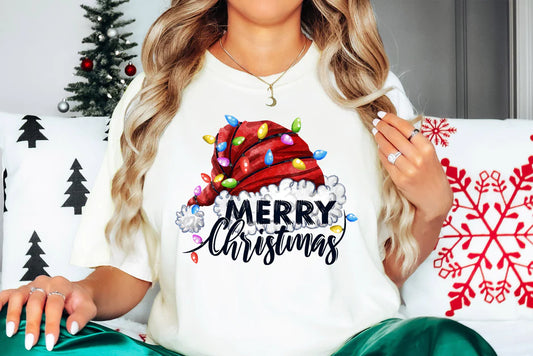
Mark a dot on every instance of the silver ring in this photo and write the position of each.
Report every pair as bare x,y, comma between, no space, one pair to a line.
393,157
57,293
35,289
413,133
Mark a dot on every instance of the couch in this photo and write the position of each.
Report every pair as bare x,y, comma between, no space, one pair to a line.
480,272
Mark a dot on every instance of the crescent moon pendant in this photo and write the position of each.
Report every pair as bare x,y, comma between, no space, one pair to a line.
273,102
271,90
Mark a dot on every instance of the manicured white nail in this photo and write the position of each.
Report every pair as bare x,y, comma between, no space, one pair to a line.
28,342
375,122
374,131
74,328
50,339
381,114
10,329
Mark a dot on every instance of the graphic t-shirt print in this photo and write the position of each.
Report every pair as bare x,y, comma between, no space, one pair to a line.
269,195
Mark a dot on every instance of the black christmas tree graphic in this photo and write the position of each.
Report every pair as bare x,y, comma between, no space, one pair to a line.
5,177
107,131
31,131
35,264
77,190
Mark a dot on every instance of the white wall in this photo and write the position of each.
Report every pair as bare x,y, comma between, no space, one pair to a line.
524,58
39,44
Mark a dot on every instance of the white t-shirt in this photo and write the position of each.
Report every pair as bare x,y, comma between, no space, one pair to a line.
277,251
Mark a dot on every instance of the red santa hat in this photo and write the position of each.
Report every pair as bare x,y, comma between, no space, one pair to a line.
251,155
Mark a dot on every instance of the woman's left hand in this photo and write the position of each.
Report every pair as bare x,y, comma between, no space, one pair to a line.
417,171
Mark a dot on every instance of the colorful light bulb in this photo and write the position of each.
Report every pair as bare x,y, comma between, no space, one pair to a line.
206,178
223,161
232,120
269,158
298,164
222,146
194,257
219,178
209,139
296,125
319,154
237,141
263,131
245,164
336,229
287,139
197,239
351,217
198,190
195,209
229,183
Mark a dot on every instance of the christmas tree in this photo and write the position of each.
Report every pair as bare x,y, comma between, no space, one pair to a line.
77,190
31,131
35,264
100,66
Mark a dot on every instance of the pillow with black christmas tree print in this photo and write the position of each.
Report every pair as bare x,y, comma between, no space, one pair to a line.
49,165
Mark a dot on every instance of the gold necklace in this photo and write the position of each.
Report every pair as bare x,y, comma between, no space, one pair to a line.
270,85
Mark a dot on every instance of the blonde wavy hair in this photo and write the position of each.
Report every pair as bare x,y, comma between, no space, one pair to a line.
173,52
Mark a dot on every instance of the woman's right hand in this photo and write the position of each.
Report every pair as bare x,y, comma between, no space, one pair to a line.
50,295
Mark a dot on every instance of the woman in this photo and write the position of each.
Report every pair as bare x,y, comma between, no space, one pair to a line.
245,180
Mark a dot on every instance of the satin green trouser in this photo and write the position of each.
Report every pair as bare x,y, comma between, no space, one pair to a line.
391,337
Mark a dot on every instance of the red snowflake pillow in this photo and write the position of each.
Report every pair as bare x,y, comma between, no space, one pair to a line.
482,266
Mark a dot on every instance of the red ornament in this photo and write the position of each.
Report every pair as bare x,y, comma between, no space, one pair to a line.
87,64
206,178
194,257
130,69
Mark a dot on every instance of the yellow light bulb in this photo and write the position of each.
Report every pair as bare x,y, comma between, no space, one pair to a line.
209,139
263,131
298,164
336,229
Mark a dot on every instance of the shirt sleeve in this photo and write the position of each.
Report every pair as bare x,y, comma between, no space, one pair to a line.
399,99
91,248
405,110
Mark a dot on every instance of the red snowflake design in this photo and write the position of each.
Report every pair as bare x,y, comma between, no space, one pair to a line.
143,337
496,229
437,131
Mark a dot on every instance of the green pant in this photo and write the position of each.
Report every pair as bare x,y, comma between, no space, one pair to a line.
391,337
417,337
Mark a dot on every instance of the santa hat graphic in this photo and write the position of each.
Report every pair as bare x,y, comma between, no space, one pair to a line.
250,155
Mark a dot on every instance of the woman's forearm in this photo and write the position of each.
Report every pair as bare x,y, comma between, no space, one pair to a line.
426,229
113,291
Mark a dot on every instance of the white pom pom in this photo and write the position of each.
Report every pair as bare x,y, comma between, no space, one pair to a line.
189,222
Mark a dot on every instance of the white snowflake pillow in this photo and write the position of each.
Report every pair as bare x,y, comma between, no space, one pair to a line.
482,266
49,165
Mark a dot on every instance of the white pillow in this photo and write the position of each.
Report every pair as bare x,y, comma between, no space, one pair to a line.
51,163
452,280
482,267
